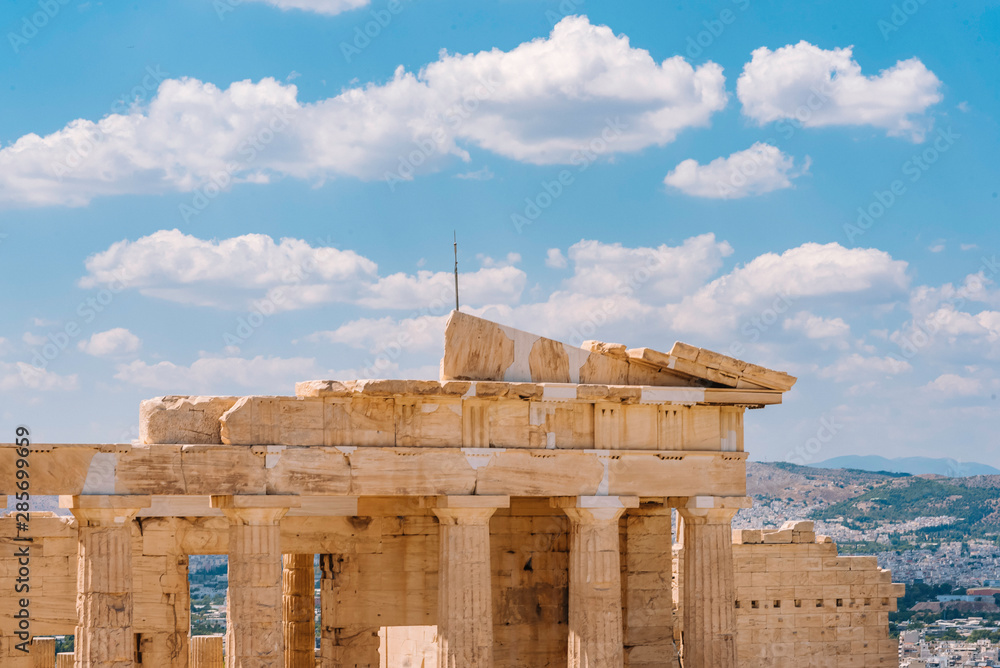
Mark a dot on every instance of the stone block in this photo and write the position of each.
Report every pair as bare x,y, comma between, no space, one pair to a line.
797,525
182,420
771,537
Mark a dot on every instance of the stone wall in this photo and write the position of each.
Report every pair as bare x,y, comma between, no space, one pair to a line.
52,572
647,599
530,555
801,605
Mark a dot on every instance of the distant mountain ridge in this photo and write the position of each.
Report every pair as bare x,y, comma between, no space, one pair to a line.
912,465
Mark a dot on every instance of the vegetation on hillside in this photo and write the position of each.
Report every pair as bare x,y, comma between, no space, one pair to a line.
977,508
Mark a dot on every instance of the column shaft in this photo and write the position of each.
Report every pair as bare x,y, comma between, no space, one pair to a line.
299,610
465,590
104,633
707,589
254,631
465,587
595,588
104,598
43,652
207,652
254,596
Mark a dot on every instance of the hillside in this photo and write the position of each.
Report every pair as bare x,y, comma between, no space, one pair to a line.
912,465
855,505
975,508
780,480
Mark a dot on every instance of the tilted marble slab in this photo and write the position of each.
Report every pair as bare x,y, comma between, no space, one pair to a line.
478,349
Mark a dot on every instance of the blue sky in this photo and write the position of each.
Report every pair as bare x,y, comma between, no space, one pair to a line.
223,197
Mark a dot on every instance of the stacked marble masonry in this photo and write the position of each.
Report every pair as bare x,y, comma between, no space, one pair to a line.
801,605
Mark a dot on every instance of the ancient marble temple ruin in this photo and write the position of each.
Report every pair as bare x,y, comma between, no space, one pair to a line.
516,513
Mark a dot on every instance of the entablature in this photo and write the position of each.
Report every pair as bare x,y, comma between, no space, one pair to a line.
167,470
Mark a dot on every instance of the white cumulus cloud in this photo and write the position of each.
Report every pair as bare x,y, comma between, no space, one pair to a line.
819,87
287,274
554,259
808,271
580,92
117,341
489,285
179,267
662,271
759,169
552,97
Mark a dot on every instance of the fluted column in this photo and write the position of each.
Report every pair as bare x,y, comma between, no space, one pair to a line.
465,582
207,652
707,584
253,602
43,652
299,610
104,633
595,583
65,660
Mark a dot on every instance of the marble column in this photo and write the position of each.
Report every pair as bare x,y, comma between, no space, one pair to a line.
43,652
707,582
207,652
254,631
595,585
104,633
465,582
299,610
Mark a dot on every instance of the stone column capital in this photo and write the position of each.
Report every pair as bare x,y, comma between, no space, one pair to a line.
105,510
712,509
255,509
455,510
594,509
